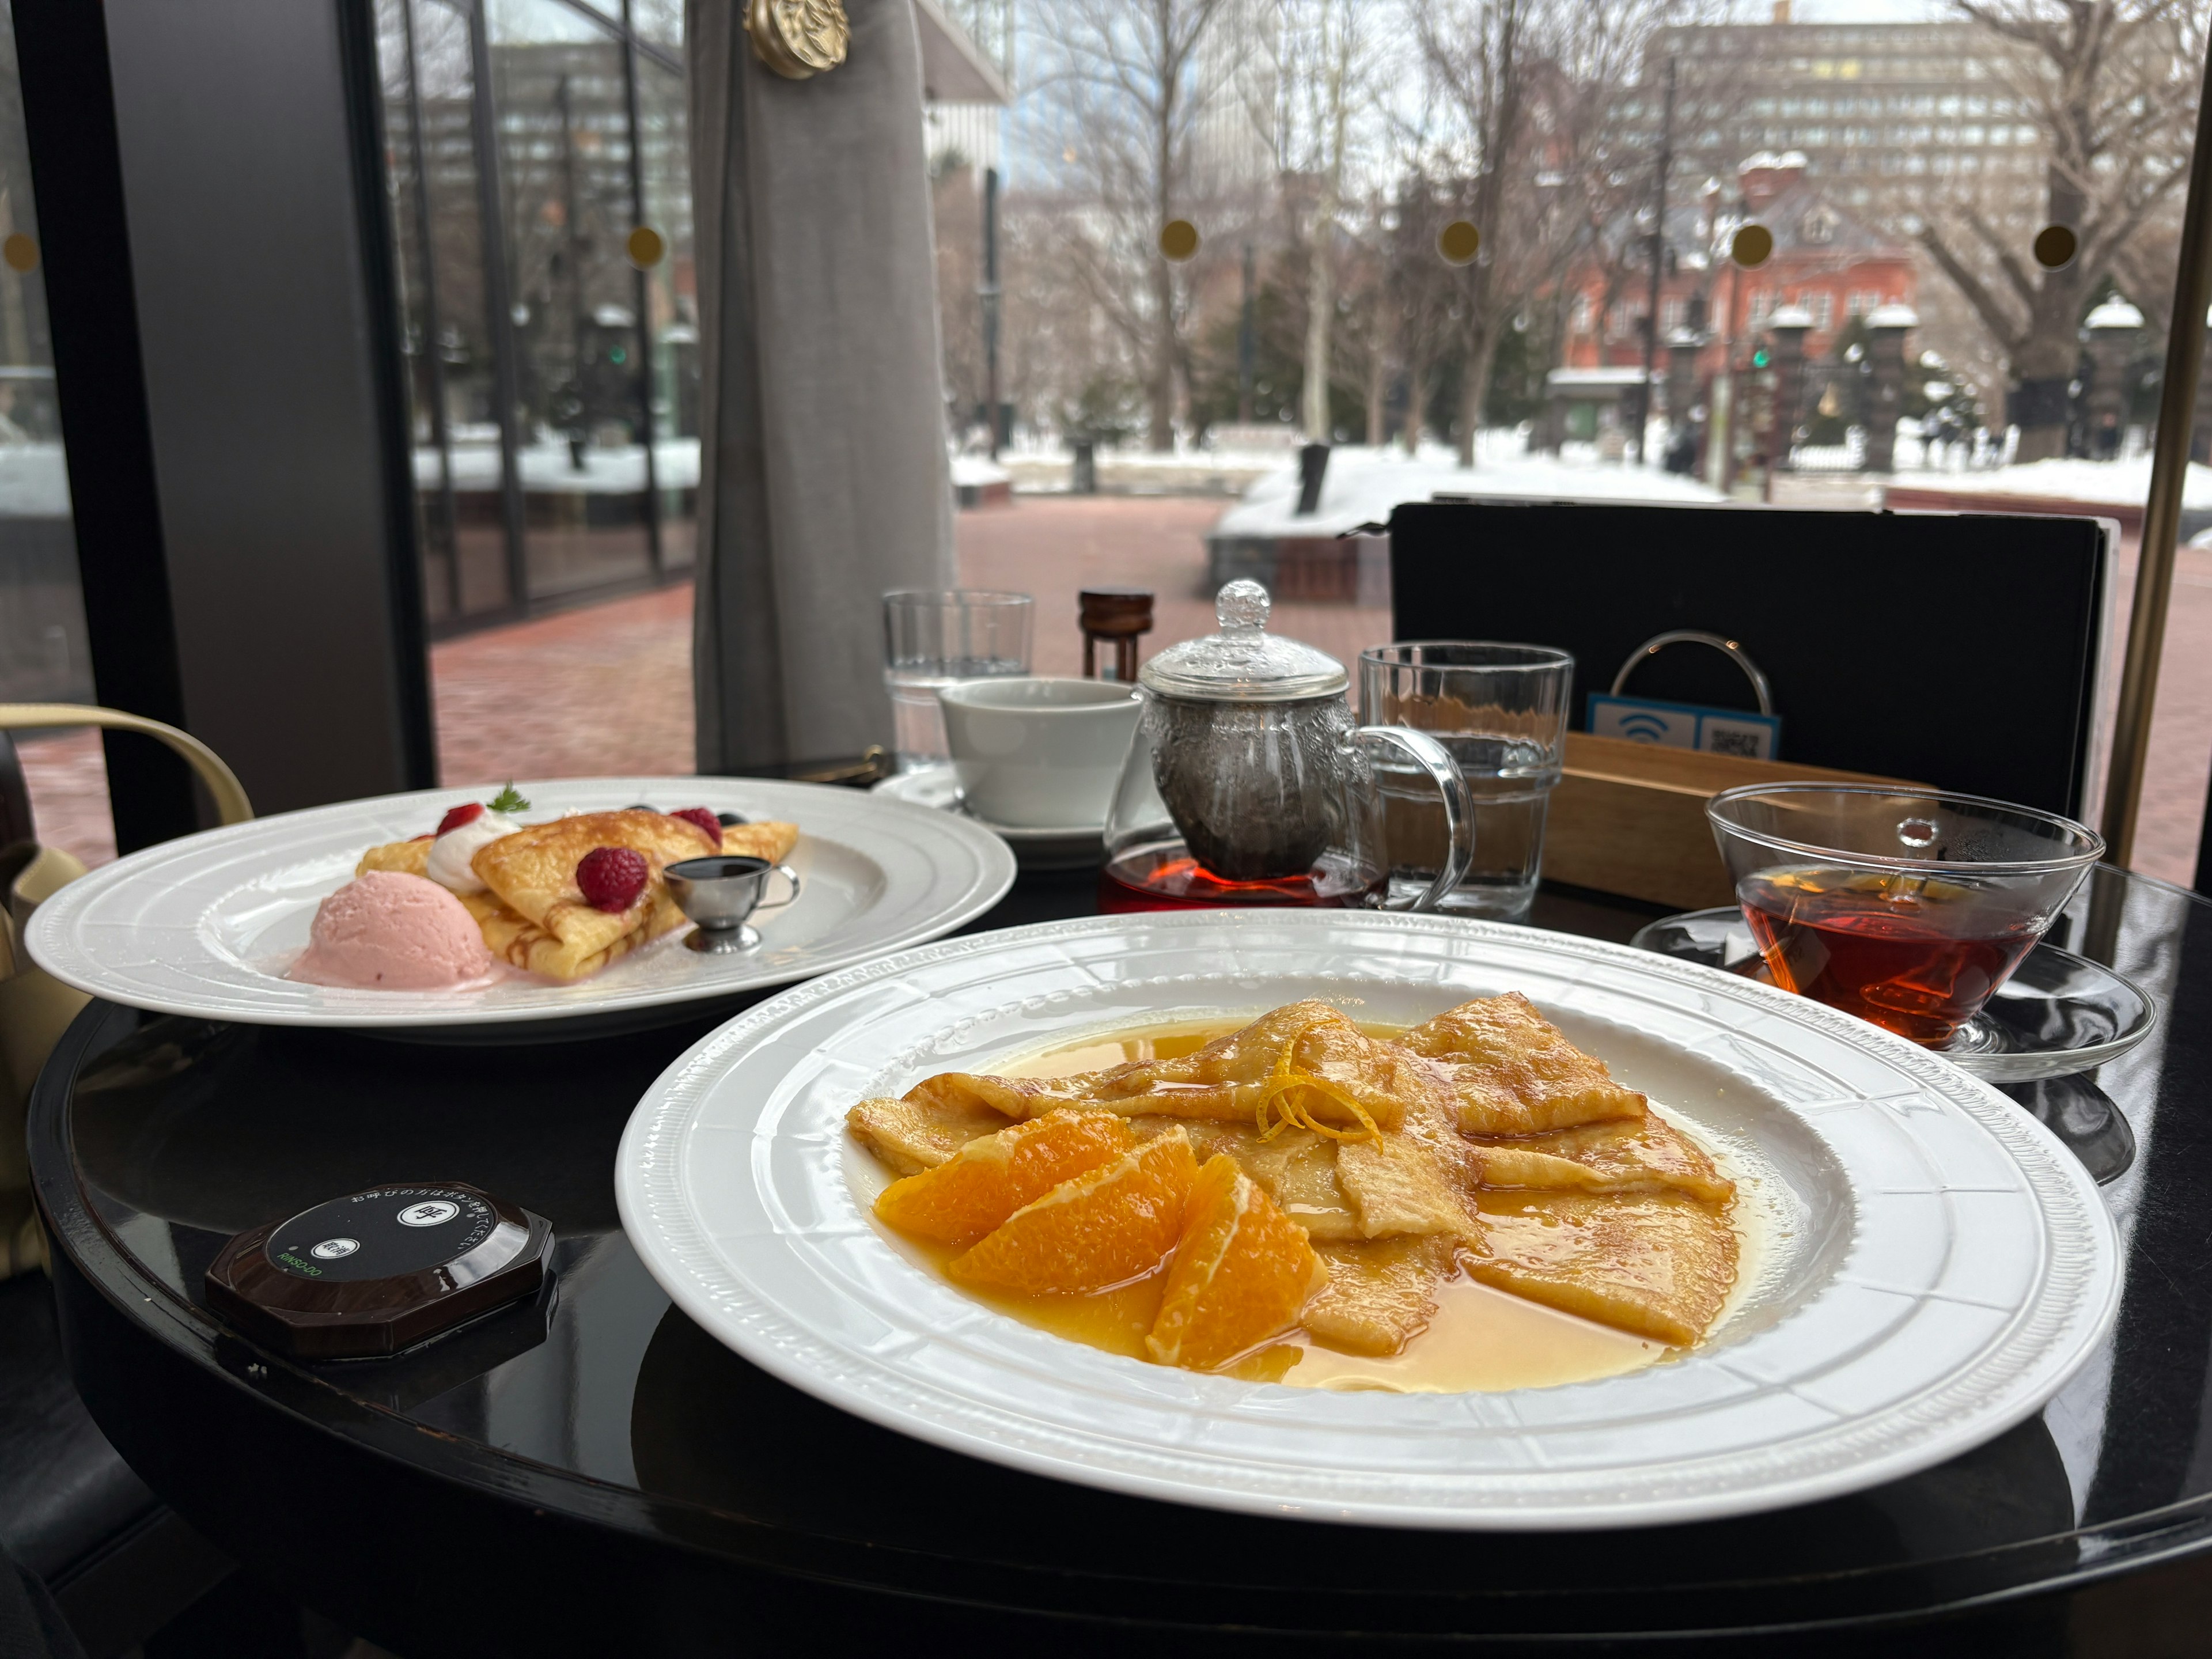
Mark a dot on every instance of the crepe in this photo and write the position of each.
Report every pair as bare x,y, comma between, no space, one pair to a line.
767,839
407,858
1285,1055
534,916
534,869
1482,1137
1379,1295
1297,1169
1647,1154
1513,1072
912,1136
1657,1264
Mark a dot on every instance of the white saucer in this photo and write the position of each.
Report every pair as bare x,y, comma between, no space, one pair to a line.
1076,847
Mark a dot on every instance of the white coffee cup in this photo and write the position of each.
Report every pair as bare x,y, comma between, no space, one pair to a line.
1038,754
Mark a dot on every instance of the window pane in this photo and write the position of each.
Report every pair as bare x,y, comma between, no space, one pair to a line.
430,141
672,306
659,22
569,209
44,656
1902,340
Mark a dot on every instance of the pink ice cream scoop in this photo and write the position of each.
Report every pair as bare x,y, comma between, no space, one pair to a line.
390,931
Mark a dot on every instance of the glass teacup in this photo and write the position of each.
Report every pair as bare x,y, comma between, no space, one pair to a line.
1908,907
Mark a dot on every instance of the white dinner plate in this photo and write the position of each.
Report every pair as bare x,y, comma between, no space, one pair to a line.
1935,1264
205,926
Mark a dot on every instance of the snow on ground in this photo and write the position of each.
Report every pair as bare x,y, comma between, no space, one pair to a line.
2105,483
1363,485
974,471
549,468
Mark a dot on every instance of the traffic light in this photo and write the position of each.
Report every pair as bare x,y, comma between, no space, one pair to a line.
1760,357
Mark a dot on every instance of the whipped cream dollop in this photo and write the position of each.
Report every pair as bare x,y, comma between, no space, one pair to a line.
449,865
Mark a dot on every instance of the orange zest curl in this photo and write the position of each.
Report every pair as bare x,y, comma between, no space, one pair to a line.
1278,1108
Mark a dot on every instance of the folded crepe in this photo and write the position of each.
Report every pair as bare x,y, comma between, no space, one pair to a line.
534,915
1314,1055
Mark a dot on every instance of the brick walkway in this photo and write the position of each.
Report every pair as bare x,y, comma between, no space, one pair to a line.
608,688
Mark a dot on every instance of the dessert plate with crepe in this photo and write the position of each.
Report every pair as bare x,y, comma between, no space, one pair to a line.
467,914
1378,1218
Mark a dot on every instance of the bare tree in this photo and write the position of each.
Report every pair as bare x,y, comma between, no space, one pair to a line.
1130,81
1324,63
1417,290
1532,85
957,215
2111,86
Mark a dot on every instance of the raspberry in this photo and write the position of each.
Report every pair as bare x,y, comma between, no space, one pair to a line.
460,815
612,877
703,821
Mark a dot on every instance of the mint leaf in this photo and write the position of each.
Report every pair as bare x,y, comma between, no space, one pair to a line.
507,801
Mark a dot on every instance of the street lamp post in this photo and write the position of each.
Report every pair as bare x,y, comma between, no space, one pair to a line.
1788,325
2111,332
988,293
1886,330
1683,346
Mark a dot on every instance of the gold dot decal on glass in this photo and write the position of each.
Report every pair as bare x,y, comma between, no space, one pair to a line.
1752,246
1178,240
2055,246
1459,242
21,251
647,247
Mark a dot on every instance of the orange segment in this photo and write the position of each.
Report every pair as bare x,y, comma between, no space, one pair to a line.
991,1177
1242,1272
1113,1225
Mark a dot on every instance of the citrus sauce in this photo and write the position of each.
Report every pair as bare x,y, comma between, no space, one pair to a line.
1480,1339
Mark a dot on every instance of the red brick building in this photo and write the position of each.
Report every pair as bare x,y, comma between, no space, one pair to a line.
1833,266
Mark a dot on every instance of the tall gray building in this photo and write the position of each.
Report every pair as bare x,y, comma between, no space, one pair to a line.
1890,117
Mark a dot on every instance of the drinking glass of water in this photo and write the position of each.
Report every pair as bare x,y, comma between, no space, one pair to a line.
1501,710
936,637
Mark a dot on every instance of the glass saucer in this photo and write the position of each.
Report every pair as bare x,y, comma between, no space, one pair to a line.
2057,1015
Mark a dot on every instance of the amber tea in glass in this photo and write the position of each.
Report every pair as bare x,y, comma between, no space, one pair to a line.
1903,952
1907,908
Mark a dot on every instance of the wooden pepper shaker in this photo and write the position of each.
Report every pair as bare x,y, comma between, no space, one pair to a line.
1118,614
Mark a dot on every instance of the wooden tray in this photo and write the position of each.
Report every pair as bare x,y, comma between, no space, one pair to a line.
1629,817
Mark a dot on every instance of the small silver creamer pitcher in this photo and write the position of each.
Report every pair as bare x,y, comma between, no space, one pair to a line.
720,892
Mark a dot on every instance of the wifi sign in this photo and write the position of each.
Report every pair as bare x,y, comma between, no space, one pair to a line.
1639,721
1685,725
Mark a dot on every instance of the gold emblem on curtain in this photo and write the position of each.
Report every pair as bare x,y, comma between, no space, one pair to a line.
799,38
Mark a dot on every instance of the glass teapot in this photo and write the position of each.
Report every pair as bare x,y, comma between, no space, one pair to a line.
1247,781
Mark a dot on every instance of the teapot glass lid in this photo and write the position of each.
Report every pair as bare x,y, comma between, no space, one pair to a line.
1244,663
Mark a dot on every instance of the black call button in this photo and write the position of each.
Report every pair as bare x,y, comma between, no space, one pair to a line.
376,1273
384,1234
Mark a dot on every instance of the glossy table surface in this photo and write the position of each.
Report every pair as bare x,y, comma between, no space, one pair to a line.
590,1468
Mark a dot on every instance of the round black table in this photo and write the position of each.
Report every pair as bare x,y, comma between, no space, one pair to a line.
589,1473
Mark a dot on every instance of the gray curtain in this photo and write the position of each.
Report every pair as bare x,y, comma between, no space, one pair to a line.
823,478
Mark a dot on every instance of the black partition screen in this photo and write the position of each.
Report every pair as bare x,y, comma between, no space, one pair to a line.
1960,650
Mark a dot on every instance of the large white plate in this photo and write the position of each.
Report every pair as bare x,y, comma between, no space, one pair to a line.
1939,1265
205,926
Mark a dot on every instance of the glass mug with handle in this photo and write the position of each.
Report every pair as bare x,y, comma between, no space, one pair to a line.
1500,710
1249,782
